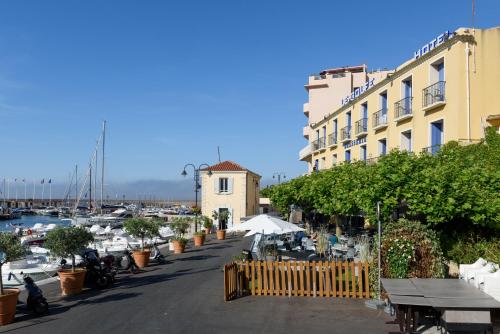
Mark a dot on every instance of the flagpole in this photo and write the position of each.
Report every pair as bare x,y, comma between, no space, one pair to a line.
43,188
25,197
15,185
8,189
34,190
50,192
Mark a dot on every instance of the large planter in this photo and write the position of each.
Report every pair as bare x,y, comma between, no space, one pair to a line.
199,240
179,247
71,281
141,258
8,302
221,234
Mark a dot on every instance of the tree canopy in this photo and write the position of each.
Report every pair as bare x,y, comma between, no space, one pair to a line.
458,183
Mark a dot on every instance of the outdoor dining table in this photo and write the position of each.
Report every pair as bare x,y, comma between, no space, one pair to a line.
413,296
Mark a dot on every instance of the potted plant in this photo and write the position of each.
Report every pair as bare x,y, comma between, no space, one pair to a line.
199,238
141,228
180,225
208,223
222,217
67,242
11,249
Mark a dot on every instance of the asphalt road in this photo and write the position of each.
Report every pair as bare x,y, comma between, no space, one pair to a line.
186,296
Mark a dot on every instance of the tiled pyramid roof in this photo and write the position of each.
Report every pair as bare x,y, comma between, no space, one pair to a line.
226,166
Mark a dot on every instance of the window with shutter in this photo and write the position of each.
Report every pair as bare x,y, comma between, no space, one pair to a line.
223,185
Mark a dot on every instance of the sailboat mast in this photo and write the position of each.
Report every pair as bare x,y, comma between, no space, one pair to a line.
95,174
90,187
76,183
102,171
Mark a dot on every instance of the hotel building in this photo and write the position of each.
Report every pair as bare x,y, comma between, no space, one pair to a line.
449,90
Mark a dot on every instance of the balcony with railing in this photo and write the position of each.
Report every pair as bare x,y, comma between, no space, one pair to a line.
380,119
305,153
433,96
403,109
332,139
318,144
361,127
432,149
345,133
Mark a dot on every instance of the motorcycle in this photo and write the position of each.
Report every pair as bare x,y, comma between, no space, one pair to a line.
96,274
108,265
36,302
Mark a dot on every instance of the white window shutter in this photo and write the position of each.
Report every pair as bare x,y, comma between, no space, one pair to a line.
216,185
230,185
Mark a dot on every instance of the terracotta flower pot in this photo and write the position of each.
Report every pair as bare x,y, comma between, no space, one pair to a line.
207,231
71,281
221,234
8,302
178,247
141,258
199,240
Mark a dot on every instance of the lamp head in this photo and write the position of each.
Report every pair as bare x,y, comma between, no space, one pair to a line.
209,172
184,173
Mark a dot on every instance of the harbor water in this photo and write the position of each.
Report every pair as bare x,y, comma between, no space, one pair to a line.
29,221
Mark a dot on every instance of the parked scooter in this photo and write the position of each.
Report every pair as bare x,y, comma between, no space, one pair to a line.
127,262
156,255
36,302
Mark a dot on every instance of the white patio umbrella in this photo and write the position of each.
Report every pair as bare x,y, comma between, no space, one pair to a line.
266,224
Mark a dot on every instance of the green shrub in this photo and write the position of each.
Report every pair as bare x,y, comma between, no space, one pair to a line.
408,249
67,242
142,228
469,249
180,225
11,246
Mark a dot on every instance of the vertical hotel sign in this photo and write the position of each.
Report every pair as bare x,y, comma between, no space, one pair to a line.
432,44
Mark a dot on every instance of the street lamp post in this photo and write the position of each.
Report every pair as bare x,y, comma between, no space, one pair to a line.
278,175
197,186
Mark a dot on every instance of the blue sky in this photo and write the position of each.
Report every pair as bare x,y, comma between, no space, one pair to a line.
175,79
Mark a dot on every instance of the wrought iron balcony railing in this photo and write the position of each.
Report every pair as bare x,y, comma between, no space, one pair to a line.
361,126
380,118
432,149
332,139
403,108
435,93
318,143
345,133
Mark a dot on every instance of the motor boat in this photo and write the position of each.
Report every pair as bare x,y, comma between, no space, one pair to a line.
114,219
37,267
49,211
64,211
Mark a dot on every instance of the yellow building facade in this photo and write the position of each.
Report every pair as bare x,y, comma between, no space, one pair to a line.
449,90
227,186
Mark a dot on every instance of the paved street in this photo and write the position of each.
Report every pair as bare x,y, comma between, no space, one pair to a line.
185,296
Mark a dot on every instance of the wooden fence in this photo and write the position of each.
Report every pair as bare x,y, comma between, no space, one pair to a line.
296,278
